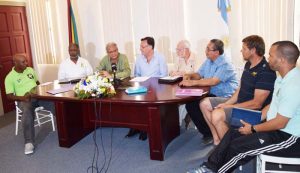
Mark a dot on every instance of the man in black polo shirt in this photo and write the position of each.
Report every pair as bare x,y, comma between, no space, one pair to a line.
255,91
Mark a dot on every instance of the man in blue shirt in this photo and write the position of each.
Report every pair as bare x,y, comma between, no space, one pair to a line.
280,134
255,91
150,63
215,72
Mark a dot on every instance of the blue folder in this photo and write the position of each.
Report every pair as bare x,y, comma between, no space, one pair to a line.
250,116
136,90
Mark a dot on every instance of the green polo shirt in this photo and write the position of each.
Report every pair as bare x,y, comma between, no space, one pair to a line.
286,101
20,83
123,68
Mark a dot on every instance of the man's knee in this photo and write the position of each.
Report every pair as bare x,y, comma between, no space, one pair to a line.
205,104
217,116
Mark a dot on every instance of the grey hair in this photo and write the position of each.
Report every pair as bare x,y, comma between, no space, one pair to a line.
186,44
110,44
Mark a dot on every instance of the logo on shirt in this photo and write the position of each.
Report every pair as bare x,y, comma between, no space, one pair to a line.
30,76
19,80
254,73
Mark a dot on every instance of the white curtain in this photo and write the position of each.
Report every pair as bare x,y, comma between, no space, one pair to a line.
271,19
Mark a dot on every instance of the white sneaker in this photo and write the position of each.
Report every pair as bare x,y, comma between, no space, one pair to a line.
28,148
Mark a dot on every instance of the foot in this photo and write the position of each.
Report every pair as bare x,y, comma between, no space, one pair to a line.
201,169
207,140
143,136
131,133
29,148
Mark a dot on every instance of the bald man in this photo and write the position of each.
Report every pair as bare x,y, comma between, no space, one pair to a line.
74,67
19,86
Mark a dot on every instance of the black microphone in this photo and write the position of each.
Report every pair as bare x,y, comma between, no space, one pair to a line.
114,67
114,70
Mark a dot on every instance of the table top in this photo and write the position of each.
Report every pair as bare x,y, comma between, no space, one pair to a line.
157,93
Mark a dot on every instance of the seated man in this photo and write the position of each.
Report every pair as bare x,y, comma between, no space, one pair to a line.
151,64
279,135
75,66
114,57
184,64
255,91
185,60
215,72
20,83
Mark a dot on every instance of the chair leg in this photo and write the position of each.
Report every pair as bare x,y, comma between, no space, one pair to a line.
53,127
37,118
17,124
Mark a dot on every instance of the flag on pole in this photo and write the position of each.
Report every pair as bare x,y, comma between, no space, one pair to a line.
73,36
224,7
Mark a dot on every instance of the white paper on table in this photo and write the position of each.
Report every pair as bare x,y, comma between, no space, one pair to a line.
139,79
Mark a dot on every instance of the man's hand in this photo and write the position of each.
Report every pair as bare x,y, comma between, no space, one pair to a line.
187,83
105,74
246,128
224,105
187,77
26,97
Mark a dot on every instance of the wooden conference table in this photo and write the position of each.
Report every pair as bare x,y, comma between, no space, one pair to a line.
155,112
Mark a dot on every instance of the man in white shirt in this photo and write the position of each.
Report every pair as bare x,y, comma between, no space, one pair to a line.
75,66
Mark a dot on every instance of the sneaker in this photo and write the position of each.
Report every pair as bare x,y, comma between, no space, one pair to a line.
201,169
28,148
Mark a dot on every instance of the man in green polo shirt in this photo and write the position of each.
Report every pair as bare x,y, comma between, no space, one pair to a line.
114,58
19,85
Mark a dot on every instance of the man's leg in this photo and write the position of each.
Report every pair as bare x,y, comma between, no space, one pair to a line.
193,110
27,121
244,148
207,105
218,119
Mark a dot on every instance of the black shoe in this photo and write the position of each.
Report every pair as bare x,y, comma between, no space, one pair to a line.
187,120
207,140
143,136
131,133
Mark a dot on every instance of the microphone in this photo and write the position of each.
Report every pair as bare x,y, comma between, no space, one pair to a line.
114,70
114,67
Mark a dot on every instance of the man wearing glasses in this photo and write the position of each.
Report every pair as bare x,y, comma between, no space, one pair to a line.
215,72
149,64
114,57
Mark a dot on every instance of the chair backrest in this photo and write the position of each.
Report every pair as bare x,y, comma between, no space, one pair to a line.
262,159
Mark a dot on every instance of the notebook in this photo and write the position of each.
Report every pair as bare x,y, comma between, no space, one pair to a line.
170,79
64,88
189,92
136,90
250,116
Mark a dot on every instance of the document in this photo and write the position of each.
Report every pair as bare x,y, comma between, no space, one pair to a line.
139,79
189,92
65,88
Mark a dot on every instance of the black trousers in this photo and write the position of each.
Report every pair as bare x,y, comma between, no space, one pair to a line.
196,115
236,149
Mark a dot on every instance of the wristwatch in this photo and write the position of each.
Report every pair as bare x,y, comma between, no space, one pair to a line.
253,130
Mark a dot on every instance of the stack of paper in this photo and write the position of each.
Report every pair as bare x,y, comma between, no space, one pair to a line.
189,92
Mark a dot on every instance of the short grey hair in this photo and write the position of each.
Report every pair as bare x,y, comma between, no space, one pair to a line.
186,44
110,44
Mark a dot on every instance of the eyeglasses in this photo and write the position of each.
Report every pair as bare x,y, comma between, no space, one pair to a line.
113,51
143,47
178,50
207,49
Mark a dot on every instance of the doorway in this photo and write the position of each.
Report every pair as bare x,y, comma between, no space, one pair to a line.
14,38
